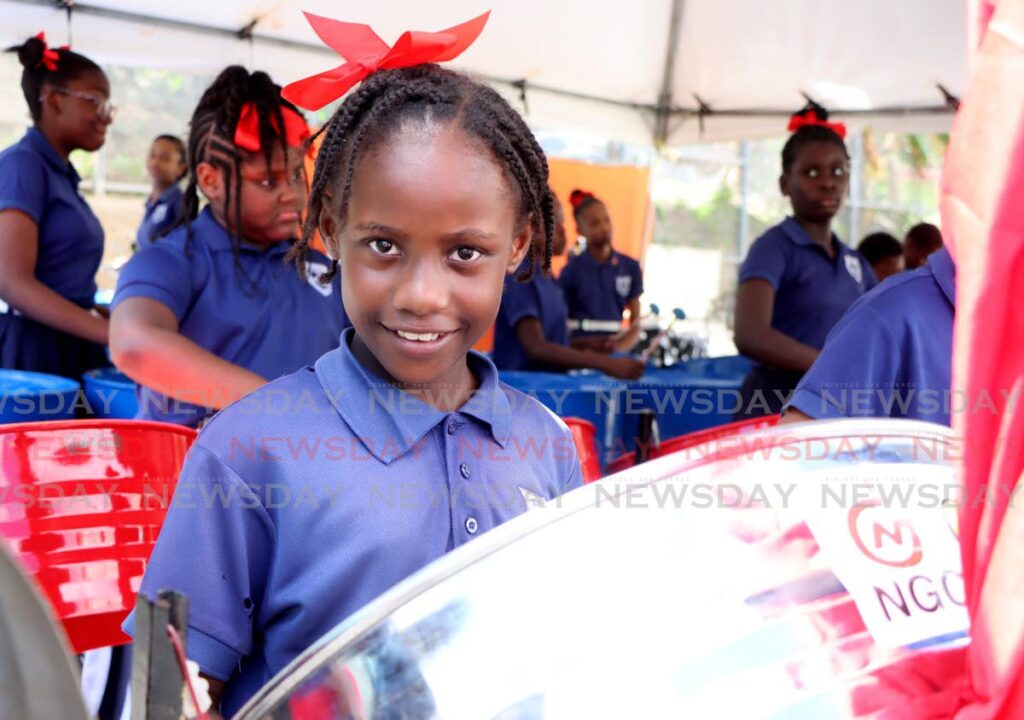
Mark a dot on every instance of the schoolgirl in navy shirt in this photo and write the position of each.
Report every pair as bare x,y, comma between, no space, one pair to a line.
532,330
212,311
51,242
798,278
402,443
167,166
600,283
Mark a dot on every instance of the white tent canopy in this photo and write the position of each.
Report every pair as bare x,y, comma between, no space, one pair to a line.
675,70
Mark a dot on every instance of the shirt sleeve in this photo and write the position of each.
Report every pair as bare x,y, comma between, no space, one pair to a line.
23,184
518,302
160,272
856,373
213,547
766,260
638,281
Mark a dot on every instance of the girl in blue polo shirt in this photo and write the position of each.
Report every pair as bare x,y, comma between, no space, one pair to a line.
600,283
51,242
167,167
212,311
798,278
532,330
401,445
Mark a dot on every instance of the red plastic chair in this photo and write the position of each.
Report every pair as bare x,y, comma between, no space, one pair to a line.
81,505
741,427
584,436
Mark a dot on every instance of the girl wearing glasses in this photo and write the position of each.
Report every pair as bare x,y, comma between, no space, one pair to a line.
798,278
51,242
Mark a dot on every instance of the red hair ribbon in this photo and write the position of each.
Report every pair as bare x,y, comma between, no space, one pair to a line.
365,53
50,57
247,132
798,121
579,196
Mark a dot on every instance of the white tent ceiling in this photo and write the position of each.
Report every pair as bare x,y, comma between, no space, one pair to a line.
750,62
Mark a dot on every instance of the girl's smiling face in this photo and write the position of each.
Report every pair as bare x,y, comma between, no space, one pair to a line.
430,233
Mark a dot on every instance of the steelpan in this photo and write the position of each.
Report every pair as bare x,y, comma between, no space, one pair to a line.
637,597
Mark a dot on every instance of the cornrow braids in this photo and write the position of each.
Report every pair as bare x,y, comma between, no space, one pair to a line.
429,94
211,140
35,75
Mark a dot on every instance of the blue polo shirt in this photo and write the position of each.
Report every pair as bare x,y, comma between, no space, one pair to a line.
600,291
328,487
812,290
256,313
34,180
891,354
160,215
540,297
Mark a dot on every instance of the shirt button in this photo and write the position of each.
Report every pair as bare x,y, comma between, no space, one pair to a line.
471,525
452,427
464,469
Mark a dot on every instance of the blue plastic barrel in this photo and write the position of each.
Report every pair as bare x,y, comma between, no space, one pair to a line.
111,393
30,396
592,397
685,398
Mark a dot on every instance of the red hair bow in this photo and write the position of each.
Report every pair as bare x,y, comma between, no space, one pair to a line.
798,121
247,132
579,196
365,53
50,57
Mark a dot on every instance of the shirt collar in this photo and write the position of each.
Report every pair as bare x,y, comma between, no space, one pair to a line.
38,143
391,422
217,239
798,236
168,196
944,272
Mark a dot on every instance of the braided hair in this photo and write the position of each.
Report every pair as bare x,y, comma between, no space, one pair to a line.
211,140
809,134
430,93
36,74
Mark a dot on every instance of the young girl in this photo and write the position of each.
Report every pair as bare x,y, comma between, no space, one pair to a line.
401,444
798,278
600,283
51,243
212,311
167,167
532,332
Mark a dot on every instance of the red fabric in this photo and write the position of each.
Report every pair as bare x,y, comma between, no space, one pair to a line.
366,53
50,57
247,132
983,222
798,121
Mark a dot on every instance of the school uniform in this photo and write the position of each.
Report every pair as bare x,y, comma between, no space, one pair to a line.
253,311
812,291
891,354
599,291
34,180
540,297
338,486
160,215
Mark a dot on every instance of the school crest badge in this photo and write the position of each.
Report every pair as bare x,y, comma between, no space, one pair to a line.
854,267
159,214
313,272
623,284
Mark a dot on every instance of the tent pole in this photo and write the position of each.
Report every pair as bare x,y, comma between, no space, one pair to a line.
744,230
664,109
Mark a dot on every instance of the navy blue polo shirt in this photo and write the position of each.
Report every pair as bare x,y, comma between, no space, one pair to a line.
256,313
34,180
160,215
891,354
600,291
307,499
812,290
540,297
